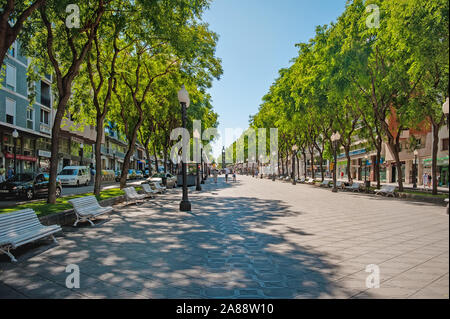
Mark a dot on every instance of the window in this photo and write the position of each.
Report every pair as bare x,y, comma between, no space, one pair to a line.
12,50
30,117
44,117
10,111
10,77
445,144
45,94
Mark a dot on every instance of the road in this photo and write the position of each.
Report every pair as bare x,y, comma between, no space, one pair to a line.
251,239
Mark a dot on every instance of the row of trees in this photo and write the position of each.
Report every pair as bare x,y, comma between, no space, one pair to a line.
357,75
119,61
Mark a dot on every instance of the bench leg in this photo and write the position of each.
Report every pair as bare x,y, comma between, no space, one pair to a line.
90,222
76,222
54,239
14,260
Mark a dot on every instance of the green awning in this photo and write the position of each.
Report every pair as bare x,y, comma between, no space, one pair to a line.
439,159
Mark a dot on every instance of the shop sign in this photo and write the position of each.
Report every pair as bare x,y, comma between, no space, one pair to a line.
21,157
43,153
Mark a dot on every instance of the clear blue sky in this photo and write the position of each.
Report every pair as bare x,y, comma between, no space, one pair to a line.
257,38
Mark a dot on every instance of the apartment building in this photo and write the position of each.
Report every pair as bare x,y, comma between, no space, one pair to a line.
25,125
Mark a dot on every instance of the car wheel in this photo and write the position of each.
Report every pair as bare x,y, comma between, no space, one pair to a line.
78,183
29,194
87,183
58,192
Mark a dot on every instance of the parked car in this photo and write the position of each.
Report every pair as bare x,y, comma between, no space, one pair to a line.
131,174
166,179
28,185
75,176
139,174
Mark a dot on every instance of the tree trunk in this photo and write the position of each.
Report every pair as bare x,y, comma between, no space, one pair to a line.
321,167
377,168
398,164
55,146
298,165
305,165
312,165
130,152
349,163
98,155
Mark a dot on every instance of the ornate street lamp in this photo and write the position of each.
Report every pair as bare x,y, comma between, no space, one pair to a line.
198,187
183,98
335,139
294,153
15,135
416,153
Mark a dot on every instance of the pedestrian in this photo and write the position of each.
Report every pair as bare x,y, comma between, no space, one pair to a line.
429,180
10,173
226,174
234,176
92,174
2,175
425,180
215,176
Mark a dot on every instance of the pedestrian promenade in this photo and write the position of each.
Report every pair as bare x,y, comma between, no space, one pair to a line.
250,239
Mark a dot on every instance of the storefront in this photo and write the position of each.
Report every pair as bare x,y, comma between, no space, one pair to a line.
442,168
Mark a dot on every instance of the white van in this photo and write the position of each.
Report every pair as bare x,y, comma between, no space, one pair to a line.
75,175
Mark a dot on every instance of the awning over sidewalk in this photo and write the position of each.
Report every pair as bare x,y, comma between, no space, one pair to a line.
442,161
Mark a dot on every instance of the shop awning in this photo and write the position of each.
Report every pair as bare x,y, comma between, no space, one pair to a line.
442,161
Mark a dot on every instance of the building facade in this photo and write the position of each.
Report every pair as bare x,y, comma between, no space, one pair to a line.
26,109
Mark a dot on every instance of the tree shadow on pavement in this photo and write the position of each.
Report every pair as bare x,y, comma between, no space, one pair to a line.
230,247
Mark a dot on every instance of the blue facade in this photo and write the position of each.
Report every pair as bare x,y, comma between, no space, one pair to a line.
31,121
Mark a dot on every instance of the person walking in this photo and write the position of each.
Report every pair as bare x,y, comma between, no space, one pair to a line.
215,176
2,175
226,174
92,171
9,173
429,180
425,180
234,176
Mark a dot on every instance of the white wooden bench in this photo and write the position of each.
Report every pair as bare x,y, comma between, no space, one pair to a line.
160,189
87,208
386,190
22,227
355,187
148,190
132,196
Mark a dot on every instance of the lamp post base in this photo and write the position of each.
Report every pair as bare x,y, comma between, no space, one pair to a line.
334,190
185,206
198,188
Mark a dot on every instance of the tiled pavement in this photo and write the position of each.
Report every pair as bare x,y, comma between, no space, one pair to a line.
250,239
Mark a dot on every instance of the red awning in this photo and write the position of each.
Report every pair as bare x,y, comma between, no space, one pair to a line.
21,157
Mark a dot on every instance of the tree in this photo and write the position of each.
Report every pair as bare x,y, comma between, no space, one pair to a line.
57,47
13,15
